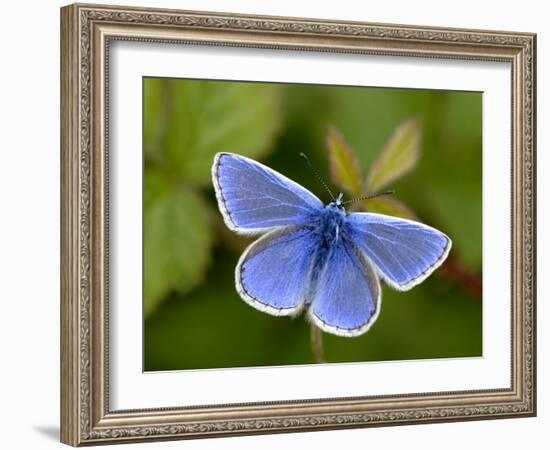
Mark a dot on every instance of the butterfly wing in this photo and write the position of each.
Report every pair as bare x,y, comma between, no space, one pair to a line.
404,252
346,299
273,272
254,199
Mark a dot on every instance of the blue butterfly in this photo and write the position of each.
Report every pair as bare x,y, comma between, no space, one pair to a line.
314,257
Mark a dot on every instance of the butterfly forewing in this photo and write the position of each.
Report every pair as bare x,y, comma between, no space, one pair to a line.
255,199
403,251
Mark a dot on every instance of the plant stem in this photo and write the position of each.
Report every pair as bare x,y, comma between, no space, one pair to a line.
455,272
317,344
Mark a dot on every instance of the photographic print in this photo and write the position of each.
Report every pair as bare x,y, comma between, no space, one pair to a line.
290,224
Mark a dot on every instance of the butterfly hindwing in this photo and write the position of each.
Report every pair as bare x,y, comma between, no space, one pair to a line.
346,297
273,272
255,199
404,252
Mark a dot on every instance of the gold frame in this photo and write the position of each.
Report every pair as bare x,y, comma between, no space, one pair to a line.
86,31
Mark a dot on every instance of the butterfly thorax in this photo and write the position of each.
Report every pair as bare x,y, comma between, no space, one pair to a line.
331,223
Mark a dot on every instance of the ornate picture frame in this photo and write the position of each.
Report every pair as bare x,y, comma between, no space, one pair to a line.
87,31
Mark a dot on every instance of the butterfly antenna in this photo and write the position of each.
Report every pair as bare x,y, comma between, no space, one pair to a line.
367,197
317,175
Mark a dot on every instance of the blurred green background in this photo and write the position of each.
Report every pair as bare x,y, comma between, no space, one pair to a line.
195,319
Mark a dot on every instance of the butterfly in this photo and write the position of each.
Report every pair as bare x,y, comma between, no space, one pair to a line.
318,258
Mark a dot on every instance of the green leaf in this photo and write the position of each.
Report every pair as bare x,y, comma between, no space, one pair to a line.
344,168
206,117
177,240
399,156
389,206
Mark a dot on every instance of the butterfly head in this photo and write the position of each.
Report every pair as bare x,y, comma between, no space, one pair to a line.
337,203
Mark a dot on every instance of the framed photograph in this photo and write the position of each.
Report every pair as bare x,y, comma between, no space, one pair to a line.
275,224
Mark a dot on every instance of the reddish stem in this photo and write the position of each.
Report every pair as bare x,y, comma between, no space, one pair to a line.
452,270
